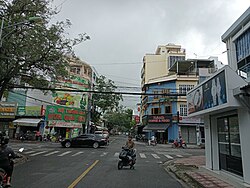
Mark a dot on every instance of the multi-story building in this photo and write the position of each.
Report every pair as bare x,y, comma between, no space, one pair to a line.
223,102
157,65
71,124
66,111
182,76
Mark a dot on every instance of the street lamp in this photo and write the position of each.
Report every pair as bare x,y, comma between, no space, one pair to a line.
29,20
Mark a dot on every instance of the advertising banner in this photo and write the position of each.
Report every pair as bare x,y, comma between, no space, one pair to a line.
210,94
8,109
29,111
17,95
63,114
64,124
70,99
77,83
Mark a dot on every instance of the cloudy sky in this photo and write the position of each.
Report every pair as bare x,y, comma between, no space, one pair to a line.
122,32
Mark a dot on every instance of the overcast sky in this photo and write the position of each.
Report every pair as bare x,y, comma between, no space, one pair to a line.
123,31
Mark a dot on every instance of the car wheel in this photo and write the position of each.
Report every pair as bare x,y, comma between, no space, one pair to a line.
95,145
67,145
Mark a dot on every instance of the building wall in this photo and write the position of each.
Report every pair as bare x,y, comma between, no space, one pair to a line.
244,119
155,66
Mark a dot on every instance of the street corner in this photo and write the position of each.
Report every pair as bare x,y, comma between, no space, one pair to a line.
180,169
22,159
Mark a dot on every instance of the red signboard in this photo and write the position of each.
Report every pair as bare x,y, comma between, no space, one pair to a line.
137,119
159,119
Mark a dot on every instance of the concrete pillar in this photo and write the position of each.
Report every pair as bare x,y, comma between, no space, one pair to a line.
244,128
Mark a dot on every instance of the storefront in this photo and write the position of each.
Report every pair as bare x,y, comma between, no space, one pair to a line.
226,119
192,130
7,115
64,121
29,120
157,125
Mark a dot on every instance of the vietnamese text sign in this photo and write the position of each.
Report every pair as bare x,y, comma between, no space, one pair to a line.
65,114
159,118
7,110
54,123
29,111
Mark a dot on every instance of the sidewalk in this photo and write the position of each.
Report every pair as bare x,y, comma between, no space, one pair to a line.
189,170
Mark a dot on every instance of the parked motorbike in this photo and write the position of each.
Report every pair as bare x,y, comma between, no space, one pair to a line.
152,142
3,174
127,157
181,144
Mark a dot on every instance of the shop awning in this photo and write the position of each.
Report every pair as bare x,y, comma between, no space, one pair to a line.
32,122
155,127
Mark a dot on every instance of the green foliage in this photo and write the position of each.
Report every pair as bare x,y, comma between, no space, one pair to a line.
104,102
32,52
121,118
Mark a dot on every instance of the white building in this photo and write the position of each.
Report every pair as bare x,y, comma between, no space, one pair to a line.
223,100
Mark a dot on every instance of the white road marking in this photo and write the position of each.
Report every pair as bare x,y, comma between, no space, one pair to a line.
28,152
78,153
65,153
104,153
155,156
116,154
179,155
41,152
48,154
169,157
142,155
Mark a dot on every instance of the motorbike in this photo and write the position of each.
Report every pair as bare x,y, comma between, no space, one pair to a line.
3,174
152,142
181,144
127,157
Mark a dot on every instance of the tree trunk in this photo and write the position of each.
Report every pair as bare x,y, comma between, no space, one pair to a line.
3,87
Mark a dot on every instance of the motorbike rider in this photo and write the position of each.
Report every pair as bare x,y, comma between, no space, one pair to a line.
130,145
6,154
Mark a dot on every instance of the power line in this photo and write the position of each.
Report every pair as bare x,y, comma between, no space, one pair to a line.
99,92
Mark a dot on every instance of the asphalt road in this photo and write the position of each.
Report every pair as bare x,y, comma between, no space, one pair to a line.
50,165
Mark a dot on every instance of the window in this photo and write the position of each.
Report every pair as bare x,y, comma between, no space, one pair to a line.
229,144
155,111
156,96
183,110
185,88
166,91
85,70
242,45
173,59
167,109
75,70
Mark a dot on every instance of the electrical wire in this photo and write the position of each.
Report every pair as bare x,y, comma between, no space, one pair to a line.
99,92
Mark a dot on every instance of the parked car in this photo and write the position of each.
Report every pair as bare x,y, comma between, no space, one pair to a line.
104,134
91,140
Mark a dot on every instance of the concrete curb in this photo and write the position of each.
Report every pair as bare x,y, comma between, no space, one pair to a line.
181,172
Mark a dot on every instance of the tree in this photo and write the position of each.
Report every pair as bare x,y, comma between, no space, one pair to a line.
120,118
104,102
31,52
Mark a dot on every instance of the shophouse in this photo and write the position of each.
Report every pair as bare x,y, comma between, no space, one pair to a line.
57,112
156,66
171,106
69,117
223,102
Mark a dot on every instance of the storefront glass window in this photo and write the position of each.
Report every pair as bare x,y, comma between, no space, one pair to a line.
234,137
229,144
